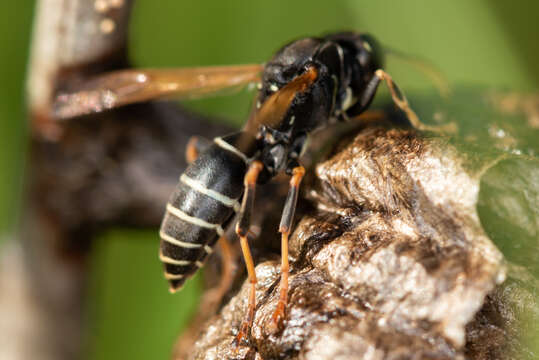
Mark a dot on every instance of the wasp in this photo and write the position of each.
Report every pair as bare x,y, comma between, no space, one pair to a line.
309,84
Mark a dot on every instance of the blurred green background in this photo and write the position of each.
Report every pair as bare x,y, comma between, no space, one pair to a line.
481,43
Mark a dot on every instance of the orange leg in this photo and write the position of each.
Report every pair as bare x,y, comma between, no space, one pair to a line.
213,297
248,321
191,150
284,229
399,99
195,146
242,229
227,261
210,300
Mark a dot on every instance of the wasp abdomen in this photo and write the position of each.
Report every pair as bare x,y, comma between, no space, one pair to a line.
203,203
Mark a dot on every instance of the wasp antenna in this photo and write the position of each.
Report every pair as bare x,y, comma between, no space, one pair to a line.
426,67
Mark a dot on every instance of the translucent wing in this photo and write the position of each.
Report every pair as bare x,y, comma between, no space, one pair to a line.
275,107
136,85
273,110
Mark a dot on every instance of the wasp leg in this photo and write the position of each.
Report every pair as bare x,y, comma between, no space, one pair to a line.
284,229
242,229
213,297
194,147
396,94
227,262
398,98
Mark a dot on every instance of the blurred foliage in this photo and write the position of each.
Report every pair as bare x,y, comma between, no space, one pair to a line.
132,315
14,45
483,44
509,208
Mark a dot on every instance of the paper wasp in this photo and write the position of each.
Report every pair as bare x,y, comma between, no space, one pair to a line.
309,84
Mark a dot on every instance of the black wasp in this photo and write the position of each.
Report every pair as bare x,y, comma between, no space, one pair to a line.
309,84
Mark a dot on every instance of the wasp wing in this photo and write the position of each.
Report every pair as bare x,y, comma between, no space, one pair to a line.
272,112
124,87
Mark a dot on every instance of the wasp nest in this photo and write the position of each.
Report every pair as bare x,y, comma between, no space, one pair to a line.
390,261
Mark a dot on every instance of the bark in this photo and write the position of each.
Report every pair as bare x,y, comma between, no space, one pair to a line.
83,175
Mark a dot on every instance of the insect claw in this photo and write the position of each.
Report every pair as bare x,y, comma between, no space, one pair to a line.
241,336
277,320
